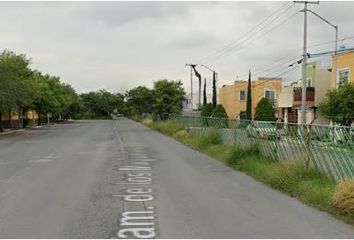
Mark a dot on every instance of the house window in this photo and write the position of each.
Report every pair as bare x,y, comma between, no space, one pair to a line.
309,82
243,95
343,77
270,95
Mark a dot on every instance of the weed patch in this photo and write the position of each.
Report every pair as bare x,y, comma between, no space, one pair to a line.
295,178
343,197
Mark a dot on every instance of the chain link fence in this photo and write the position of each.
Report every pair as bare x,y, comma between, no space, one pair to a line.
329,148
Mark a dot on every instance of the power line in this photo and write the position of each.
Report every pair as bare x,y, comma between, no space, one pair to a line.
245,34
241,40
249,41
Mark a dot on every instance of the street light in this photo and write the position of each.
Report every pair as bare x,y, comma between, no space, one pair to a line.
336,40
304,78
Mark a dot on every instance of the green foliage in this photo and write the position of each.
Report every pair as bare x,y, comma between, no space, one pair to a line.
101,104
211,138
219,112
207,110
249,98
50,95
338,105
219,117
238,155
139,100
294,178
264,111
14,80
169,127
168,98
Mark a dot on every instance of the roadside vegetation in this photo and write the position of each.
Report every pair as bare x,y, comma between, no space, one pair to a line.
24,89
296,178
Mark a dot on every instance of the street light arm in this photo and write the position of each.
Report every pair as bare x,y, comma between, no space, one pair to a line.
207,68
323,19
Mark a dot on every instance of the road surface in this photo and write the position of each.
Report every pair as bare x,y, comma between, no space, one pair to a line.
119,179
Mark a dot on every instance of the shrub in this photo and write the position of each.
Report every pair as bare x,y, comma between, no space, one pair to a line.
264,111
147,121
181,134
207,110
206,113
219,117
343,196
219,112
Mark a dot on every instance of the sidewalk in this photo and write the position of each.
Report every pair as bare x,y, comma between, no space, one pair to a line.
8,131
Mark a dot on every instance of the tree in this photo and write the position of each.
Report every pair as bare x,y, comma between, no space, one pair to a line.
140,100
249,98
264,111
338,105
204,93
214,89
101,104
168,97
14,75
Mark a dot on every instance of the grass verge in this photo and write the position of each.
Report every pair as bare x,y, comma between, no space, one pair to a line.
293,178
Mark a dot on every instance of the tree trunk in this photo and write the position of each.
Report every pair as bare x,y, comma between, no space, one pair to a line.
10,118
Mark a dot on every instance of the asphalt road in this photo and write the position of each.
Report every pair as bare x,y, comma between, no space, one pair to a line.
109,179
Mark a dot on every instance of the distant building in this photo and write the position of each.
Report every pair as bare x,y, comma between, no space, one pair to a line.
186,103
234,97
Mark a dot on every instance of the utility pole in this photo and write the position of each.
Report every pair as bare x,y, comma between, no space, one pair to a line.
192,66
336,42
304,60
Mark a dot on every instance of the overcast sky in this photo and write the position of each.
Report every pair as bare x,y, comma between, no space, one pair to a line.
120,45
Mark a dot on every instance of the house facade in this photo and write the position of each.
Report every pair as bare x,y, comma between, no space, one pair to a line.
343,69
234,97
290,100
13,119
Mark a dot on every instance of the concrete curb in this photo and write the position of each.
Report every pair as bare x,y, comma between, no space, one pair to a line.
11,132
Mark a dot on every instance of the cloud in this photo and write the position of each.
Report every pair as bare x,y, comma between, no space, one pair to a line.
120,45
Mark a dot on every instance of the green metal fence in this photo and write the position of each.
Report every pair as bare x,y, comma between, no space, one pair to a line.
329,148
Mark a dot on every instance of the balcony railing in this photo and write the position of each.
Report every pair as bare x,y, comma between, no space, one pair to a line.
310,96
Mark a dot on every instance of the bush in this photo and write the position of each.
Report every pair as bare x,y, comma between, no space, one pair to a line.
343,197
264,111
219,117
181,134
206,113
219,112
207,110
147,121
